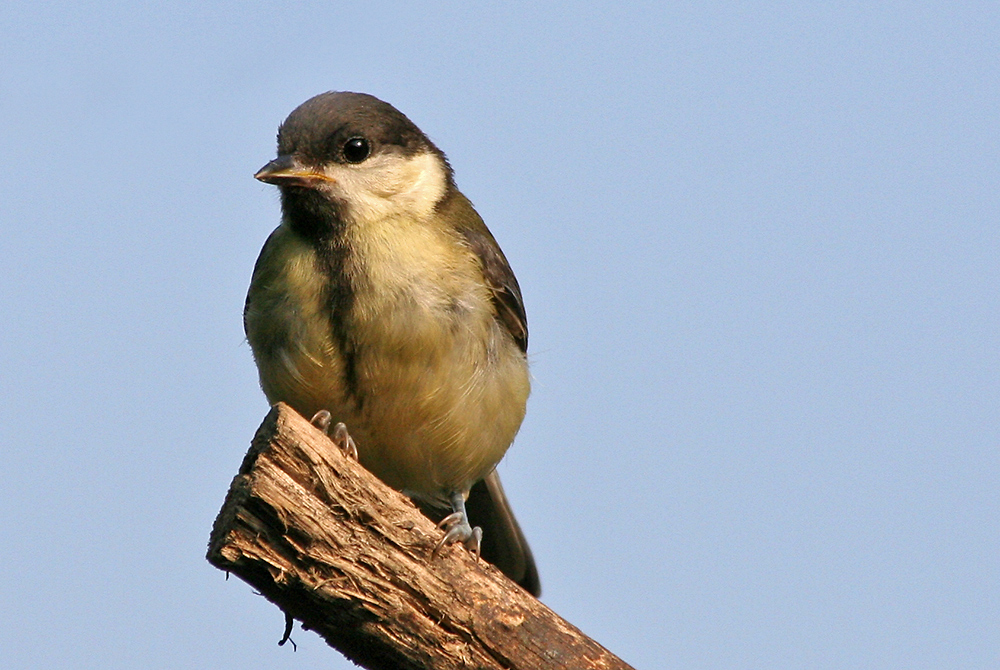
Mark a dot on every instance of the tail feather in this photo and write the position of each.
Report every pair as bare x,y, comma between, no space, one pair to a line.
503,542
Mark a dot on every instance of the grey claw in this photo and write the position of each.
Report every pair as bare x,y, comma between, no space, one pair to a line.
457,529
339,435
474,543
321,420
451,520
344,440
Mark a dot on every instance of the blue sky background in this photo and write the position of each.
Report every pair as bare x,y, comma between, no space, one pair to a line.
759,250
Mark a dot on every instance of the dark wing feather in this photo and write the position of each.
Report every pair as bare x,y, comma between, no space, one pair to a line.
499,277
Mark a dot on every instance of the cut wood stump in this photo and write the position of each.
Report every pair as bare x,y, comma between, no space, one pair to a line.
349,557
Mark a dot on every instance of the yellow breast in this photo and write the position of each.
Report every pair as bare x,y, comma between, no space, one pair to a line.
439,388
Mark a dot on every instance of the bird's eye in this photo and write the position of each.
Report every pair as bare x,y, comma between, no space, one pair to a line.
356,150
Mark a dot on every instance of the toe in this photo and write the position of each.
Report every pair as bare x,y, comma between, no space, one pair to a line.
321,420
344,440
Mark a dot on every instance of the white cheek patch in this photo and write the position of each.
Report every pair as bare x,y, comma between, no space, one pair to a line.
390,185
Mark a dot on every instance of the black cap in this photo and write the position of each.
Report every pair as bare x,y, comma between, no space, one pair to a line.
318,129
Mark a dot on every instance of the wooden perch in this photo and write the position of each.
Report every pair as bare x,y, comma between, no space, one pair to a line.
334,547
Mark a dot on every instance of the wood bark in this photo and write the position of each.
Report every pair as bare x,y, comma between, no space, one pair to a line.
349,557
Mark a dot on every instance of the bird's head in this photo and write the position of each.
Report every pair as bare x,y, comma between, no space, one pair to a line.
357,156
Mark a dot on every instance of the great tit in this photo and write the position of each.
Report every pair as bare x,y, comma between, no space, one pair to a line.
384,300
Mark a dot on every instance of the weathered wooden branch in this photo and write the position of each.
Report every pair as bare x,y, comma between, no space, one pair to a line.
349,557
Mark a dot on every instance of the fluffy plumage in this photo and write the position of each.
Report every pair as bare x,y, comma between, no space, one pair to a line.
383,298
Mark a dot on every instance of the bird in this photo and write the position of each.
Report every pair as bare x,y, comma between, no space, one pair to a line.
382,302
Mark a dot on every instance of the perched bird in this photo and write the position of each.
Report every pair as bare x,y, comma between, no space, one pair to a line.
383,299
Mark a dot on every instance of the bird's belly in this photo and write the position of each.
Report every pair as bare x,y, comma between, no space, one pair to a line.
437,422
442,386
430,386
425,422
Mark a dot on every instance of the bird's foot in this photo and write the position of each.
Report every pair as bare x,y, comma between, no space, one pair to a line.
321,420
340,436
343,439
457,528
